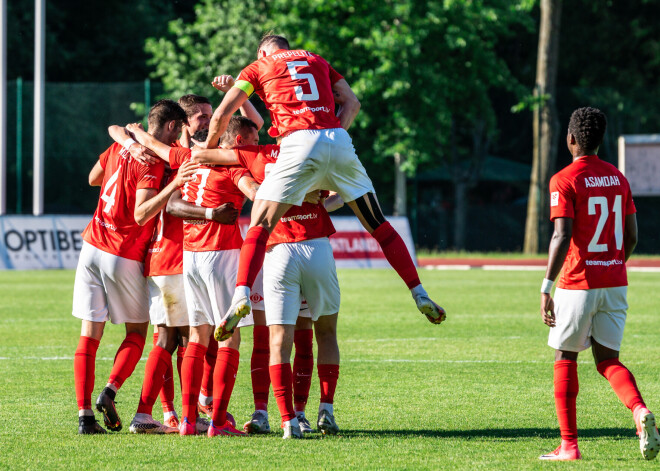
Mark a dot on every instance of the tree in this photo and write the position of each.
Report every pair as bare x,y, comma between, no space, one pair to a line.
546,127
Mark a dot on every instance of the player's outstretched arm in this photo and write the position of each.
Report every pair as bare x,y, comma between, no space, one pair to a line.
159,148
124,137
148,202
96,174
248,186
630,235
247,109
349,105
232,101
224,214
559,244
217,156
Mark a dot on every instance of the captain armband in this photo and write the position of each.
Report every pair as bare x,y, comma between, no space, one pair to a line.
245,86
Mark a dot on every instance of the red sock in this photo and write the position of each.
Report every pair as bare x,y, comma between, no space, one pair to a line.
622,381
167,391
191,376
126,359
253,252
224,378
282,379
83,371
396,253
209,364
303,366
180,353
259,367
328,375
566,391
154,371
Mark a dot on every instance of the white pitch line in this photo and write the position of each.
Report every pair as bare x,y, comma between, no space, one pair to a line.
521,268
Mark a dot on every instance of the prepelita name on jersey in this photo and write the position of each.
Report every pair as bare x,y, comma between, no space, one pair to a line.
607,180
288,54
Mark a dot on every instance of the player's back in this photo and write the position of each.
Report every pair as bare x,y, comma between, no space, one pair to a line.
113,228
211,187
296,86
600,197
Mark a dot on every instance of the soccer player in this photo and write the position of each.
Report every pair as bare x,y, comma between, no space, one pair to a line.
109,283
595,232
300,89
299,262
210,261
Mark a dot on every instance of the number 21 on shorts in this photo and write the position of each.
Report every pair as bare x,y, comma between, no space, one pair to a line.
600,202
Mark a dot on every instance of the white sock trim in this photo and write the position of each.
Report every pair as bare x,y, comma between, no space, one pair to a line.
326,406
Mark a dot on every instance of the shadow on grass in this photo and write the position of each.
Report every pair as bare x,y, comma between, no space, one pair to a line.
505,433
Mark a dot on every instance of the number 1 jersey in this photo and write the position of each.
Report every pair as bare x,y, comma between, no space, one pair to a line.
597,197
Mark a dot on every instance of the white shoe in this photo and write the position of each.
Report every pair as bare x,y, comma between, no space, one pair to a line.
291,430
258,423
649,439
239,309
305,426
434,313
326,423
144,423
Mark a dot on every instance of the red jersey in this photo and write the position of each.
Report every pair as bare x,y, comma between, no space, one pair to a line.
165,253
211,187
306,222
597,197
296,87
113,228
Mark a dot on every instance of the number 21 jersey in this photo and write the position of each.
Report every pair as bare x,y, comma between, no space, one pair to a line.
597,197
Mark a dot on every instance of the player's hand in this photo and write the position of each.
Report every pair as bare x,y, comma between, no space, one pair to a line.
186,172
225,214
132,127
548,310
313,197
223,82
142,154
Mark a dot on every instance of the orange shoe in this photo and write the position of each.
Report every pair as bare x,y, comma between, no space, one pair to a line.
205,409
172,421
567,451
649,439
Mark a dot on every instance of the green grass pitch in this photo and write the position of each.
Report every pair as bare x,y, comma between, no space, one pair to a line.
473,393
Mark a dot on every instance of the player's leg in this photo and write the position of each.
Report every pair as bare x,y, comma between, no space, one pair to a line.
265,215
260,375
224,378
303,366
607,333
325,329
205,404
281,377
158,362
84,364
368,211
167,391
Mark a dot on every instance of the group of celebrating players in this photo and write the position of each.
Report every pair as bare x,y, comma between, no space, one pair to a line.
164,245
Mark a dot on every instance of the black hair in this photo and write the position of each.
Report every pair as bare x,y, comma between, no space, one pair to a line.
189,103
234,128
588,126
164,111
269,38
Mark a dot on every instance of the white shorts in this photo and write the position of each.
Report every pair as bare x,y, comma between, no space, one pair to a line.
167,301
322,159
304,310
582,314
294,270
209,279
109,287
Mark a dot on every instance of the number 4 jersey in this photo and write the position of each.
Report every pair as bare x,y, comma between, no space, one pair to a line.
113,228
597,197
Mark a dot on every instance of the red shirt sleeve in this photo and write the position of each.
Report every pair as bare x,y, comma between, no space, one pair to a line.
149,177
251,74
334,75
236,173
630,204
178,155
562,198
246,155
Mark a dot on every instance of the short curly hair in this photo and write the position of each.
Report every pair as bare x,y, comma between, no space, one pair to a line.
588,126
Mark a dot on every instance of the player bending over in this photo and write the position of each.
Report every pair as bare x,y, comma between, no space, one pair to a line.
300,90
109,283
595,233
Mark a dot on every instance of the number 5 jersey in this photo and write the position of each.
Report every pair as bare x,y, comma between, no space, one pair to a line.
597,197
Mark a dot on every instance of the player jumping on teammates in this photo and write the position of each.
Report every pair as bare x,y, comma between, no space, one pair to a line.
300,89
595,234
